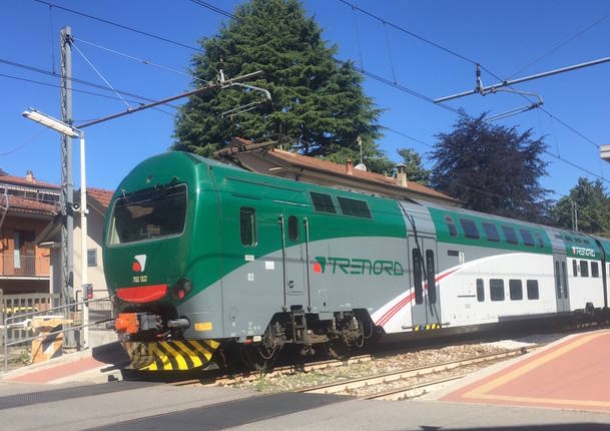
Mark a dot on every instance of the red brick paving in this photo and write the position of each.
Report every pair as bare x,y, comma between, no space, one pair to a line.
573,374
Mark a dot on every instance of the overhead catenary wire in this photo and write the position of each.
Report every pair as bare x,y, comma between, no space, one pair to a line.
218,10
100,75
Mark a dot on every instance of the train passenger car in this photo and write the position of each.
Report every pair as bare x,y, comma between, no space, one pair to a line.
207,261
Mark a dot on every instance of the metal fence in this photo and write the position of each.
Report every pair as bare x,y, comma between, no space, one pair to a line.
31,319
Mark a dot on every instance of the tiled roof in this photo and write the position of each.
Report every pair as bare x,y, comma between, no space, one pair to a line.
21,205
102,196
324,165
34,183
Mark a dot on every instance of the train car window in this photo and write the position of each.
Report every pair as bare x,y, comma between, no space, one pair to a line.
584,268
558,236
453,253
247,226
491,232
540,240
323,203
510,235
354,207
496,289
575,268
527,237
532,289
480,290
451,226
564,277
470,228
557,279
586,241
515,290
577,240
430,276
594,270
569,238
417,277
293,228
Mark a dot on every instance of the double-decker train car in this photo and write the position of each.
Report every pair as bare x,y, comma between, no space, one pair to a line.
206,261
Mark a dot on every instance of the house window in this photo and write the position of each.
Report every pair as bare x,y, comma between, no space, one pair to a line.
92,257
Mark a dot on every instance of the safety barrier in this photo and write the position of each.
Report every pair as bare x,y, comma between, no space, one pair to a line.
46,331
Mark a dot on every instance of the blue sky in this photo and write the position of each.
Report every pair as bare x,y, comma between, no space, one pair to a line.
503,38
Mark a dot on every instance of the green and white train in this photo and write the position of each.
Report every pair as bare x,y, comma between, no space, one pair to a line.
206,261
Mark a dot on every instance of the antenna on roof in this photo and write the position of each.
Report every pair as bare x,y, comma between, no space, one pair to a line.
360,166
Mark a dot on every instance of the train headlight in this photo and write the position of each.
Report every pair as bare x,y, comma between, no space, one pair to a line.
181,289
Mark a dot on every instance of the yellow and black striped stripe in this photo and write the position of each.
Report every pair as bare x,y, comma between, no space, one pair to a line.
427,327
170,355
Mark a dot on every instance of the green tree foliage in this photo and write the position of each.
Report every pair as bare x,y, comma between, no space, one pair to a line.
317,102
492,169
593,208
415,170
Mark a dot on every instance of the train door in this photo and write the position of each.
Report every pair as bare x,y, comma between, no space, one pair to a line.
426,307
294,233
561,283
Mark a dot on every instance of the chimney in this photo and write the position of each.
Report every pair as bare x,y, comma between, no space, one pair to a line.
348,167
29,176
401,175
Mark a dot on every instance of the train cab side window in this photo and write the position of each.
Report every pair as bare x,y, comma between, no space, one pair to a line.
584,268
540,240
510,235
491,232
430,276
417,277
527,237
532,289
594,270
480,290
247,226
575,268
496,289
451,226
323,203
293,228
470,228
515,290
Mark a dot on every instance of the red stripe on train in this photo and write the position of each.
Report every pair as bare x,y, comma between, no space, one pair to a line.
142,294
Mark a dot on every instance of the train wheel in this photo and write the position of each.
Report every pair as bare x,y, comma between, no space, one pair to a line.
258,357
337,349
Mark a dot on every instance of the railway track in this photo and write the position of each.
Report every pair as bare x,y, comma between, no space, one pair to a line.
412,382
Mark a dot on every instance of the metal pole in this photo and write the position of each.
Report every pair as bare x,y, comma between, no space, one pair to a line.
83,242
66,201
492,88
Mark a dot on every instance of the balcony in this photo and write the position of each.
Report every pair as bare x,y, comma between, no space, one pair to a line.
24,266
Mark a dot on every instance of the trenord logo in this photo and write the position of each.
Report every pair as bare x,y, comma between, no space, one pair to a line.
355,266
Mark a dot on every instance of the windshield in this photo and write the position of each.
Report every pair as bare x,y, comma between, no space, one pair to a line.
149,214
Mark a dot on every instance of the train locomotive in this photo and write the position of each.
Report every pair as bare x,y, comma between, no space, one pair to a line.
206,262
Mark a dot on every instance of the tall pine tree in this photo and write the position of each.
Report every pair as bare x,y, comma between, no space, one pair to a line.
317,102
